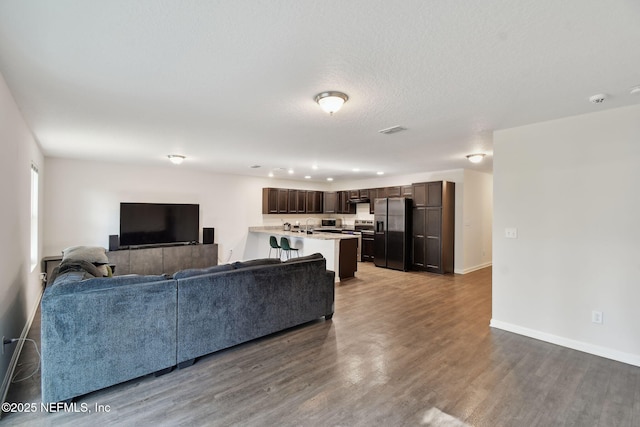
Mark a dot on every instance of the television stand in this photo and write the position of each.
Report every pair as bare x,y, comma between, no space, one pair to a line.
163,259
156,245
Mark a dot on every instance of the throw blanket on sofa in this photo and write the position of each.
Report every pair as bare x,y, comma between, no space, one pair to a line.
68,265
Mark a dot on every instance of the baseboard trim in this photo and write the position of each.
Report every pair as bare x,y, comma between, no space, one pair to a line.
472,269
608,353
6,382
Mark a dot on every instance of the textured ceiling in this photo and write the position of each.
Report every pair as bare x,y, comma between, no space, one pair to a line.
230,84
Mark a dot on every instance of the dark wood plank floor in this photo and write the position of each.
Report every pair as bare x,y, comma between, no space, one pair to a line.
402,349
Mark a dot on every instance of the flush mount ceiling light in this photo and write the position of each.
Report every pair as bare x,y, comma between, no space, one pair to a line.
176,159
475,158
331,101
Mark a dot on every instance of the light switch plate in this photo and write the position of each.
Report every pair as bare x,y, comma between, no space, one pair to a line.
511,233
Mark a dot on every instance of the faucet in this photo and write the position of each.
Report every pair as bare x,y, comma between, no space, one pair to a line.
306,225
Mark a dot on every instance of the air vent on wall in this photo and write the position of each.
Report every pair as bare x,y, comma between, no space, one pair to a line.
392,129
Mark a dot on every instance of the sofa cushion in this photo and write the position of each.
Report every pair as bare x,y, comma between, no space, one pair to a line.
190,272
256,262
93,254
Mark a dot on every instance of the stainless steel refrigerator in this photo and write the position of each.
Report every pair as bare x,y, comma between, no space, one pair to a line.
392,238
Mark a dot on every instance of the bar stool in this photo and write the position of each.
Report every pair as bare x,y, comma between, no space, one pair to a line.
273,244
286,247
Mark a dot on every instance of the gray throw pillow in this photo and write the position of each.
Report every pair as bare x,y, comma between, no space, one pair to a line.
93,254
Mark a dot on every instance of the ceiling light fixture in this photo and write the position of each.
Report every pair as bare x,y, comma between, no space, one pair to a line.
475,158
598,99
176,159
290,171
331,101
307,177
635,90
329,179
380,173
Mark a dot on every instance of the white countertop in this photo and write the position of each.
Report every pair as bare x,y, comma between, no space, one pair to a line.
318,235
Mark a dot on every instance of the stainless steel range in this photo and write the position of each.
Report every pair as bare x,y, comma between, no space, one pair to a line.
365,229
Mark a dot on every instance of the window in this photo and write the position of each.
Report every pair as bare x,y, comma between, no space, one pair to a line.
34,216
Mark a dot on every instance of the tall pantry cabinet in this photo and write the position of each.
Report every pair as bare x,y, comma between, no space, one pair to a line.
433,226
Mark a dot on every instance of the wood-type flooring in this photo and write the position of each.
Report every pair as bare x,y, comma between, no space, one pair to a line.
403,349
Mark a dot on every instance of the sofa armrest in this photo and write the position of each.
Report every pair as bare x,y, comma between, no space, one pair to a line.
95,337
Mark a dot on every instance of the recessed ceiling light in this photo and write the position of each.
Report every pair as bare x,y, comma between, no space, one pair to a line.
329,179
307,177
176,159
380,173
356,169
290,171
270,174
314,167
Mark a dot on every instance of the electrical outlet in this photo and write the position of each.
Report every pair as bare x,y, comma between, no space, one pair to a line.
596,317
511,233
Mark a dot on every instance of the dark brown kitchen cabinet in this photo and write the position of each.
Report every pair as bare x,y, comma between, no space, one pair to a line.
354,194
297,201
344,206
394,191
433,226
275,200
427,194
330,202
314,201
407,191
377,193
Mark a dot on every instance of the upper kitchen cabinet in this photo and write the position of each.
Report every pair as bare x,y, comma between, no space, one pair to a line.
330,202
345,205
297,201
314,201
394,192
428,193
407,191
275,200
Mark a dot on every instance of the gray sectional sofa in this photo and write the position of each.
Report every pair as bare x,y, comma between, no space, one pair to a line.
97,332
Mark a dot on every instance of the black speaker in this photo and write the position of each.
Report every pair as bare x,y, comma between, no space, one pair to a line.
207,236
114,242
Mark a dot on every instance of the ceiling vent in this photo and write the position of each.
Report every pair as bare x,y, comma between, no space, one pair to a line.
598,99
392,129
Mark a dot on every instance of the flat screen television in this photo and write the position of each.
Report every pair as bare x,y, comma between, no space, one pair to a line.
144,224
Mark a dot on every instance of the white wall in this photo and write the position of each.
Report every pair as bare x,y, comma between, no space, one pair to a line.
477,220
83,198
20,288
570,187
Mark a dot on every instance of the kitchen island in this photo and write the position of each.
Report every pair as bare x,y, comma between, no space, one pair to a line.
340,250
